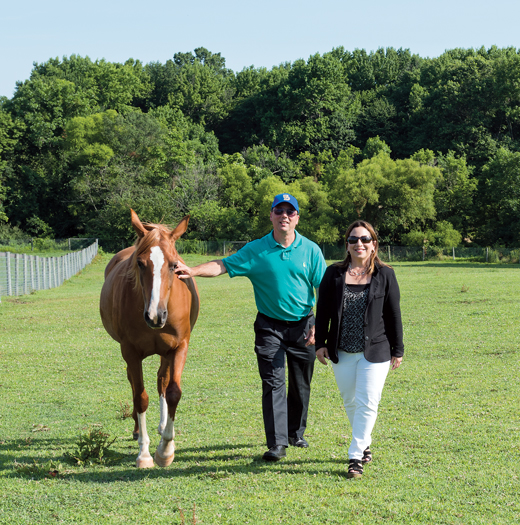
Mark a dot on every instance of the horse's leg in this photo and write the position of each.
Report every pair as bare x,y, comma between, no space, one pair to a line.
169,387
135,433
140,399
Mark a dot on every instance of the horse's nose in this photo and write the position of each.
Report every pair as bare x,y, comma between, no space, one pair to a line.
159,321
163,315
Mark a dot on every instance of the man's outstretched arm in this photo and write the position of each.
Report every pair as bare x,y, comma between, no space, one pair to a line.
209,269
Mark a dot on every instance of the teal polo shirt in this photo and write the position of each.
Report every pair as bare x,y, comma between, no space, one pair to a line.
283,278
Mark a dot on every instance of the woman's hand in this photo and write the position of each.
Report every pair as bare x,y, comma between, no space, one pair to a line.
396,362
322,354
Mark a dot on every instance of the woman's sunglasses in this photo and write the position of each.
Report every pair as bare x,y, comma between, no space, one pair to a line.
291,212
353,239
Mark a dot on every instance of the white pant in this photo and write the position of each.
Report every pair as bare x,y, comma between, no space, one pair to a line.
360,384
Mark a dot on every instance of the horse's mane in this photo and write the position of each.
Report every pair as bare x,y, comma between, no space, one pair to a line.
143,244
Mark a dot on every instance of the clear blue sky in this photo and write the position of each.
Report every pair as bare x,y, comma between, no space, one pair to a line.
261,33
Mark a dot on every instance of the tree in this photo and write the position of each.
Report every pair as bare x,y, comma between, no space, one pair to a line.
442,235
394,196
314,109
299,107
455,192
374,146
9,133
198,84
107,85
262,162
37,178
500,184
317,214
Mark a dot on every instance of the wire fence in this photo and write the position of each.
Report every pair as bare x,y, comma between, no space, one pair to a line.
21,274
30,245
434,253
337,252
183,246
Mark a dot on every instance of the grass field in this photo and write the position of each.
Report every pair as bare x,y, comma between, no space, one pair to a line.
446,444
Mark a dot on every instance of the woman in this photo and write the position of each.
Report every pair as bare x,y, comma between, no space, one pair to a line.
358,327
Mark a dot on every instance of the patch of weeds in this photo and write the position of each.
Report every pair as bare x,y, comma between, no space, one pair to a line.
39,428
464,288
92,447
15,300
49,469
183,519
125,410
218,474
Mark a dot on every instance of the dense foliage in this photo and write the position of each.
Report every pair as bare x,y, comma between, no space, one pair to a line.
428,150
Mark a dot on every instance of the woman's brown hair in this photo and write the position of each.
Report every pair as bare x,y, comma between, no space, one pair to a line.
374,257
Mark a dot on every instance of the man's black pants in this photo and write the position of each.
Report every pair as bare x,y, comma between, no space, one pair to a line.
285,415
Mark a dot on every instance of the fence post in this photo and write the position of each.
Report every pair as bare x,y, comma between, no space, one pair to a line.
55,271
389,256
9,286
15,274
454,253
24,274
37,279
487,253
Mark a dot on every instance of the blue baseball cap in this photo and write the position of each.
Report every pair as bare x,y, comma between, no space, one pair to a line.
289,199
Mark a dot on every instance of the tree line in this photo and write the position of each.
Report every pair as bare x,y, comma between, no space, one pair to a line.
426,149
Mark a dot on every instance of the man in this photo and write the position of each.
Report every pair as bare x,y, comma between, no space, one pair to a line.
284,268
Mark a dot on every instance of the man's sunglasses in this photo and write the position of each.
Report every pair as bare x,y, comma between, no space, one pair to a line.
353,239
291,212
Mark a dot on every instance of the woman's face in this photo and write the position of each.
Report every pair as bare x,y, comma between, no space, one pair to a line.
359,251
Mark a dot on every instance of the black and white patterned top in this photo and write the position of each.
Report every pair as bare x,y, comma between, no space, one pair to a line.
352,333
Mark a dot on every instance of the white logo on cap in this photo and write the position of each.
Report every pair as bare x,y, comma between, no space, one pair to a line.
286,197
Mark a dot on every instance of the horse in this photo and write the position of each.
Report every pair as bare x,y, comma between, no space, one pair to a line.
149,311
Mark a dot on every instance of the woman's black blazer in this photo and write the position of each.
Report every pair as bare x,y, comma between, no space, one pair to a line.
383,325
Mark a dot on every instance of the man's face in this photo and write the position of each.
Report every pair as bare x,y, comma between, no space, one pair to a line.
284,218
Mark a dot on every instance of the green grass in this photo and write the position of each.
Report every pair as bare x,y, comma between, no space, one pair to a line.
446,443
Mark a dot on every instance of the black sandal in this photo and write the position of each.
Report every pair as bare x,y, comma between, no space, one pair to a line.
355,468
367,456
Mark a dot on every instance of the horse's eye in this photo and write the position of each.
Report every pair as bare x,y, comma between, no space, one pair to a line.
140,264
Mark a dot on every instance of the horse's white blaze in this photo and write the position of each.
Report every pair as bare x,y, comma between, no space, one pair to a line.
157,258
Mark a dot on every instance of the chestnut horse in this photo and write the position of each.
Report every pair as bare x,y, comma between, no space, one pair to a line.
148,310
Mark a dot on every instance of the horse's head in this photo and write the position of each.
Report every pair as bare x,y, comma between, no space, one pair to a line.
154,263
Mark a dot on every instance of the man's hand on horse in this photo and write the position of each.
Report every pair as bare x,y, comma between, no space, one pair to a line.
182,271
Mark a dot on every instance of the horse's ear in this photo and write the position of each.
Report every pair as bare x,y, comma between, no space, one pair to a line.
180,229
137,225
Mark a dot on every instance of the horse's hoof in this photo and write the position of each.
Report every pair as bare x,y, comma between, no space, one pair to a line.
144,462
135,436
163,462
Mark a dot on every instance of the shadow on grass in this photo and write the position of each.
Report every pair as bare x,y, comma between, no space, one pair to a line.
194,462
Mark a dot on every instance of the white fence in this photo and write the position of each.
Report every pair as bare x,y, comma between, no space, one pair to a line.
21,274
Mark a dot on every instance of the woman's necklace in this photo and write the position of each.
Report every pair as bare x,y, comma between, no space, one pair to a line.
352,272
